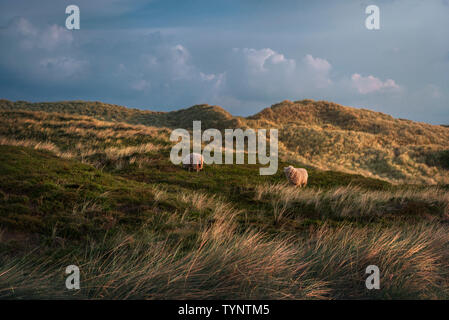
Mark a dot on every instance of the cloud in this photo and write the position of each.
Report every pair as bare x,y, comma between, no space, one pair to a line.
164,73
167,73
64,65
260,74
28,36
320,65
118,57
54,36
146,68
370,84
39,54
22,26
263,60
319,71
140,65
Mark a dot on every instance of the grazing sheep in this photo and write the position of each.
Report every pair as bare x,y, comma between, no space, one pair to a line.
296,176
193,161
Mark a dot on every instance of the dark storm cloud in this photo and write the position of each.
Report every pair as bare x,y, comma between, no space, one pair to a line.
243,55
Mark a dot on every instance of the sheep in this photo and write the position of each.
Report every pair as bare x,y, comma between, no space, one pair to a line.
193,161
296,176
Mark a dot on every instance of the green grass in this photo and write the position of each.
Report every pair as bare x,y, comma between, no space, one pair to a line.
161,232
322,134
45,194
103,195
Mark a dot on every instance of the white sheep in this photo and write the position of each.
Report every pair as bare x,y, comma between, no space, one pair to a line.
296,176
193,161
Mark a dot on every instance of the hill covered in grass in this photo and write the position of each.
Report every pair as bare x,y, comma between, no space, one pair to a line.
211,116
95,187
155,231
319,134
331,136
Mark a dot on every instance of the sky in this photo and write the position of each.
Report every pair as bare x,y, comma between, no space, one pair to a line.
241,55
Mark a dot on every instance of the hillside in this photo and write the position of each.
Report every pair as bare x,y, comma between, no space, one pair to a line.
320,134
331,136
155,231
330,115
104,195
211,116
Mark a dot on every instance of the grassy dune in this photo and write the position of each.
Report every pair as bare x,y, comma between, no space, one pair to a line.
330,136
321,134
101,194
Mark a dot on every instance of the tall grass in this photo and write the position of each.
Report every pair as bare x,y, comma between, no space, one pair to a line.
89,140
37,145
193,245
329,136
222,264
329,263
412,260
352,201
320,134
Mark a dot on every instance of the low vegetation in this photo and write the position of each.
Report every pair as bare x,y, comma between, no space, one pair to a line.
321,134
350,201
94,187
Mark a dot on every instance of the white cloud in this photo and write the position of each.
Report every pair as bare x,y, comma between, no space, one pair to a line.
318,71
23,27
31,37
261,74
207,77
53,37
320,65
169,62
370,84
179,59
264,59
40,54
166,71
150,67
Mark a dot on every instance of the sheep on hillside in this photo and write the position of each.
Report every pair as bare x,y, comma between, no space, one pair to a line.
193,161
296,176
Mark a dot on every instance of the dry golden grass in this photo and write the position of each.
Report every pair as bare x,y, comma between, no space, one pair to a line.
37,145
199,200
354,201
83,138
320,134
115,153
327,263
329,136
194,245
363,153
223,264
412,260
